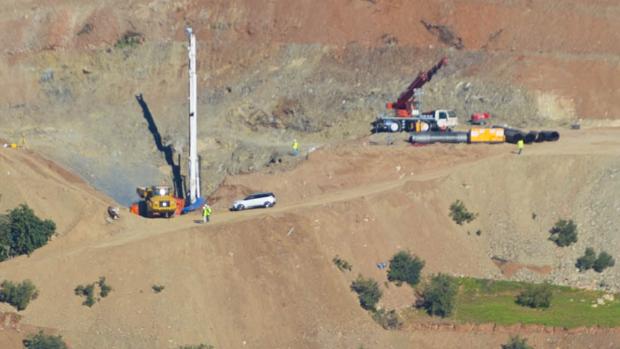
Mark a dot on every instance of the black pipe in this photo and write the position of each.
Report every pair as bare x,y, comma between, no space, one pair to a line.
512,135
550,136
540,137
530,137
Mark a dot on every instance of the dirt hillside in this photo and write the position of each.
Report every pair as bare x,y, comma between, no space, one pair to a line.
264,278
272,72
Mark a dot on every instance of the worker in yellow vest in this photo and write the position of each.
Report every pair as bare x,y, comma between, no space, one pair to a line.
295,147
206,213
519,146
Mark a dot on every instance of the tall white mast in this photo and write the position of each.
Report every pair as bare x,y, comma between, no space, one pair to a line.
194,180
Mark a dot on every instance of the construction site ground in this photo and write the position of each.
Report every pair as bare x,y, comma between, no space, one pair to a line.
265,278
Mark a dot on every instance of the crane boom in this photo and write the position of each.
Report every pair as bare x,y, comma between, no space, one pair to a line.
404,104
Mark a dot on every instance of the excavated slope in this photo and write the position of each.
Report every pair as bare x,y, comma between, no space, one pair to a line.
264,278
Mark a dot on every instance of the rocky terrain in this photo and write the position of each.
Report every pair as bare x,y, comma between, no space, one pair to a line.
272,73
94,92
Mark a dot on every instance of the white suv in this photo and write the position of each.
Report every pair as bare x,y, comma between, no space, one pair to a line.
254,200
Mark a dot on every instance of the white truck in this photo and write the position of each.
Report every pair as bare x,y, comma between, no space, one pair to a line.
436,120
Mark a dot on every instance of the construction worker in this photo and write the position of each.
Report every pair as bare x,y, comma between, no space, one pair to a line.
295,147
206,213
519,146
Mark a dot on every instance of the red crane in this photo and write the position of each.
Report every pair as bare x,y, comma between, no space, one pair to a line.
404,106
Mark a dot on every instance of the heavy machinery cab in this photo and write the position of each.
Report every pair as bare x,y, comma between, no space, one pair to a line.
157,201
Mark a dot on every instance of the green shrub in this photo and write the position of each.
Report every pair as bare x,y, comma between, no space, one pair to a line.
586,261
342,264
405,267
368,292
18,295
104,288
439,295
22,232
537,296
389,320
158,288
459,213
516,342
129,39
603,261
43,341
87,291
564,233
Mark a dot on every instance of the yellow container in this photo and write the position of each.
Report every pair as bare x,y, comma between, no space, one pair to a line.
486,135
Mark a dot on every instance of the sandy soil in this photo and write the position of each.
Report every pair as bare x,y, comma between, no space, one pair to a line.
264,278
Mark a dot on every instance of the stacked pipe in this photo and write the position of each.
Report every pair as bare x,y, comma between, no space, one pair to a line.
514,135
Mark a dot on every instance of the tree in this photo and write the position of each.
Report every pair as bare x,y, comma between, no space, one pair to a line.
404,267
516,342
368,292
18,295
603,261
537,296
22,232
43,341
459,213
586,261
564,233
439,296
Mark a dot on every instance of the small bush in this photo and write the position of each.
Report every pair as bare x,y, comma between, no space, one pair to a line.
586,261
44,341
18,295
564,233
603,261
342,264
22,232
537,296
104,288
129,39
405,267
516,342
368,292
158,288
87,291
459,213
389,320
439,295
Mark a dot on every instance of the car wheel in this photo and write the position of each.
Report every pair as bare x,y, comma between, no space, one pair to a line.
267,204
240,208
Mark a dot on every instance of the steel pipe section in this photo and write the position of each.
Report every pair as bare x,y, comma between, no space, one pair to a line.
550,136
439,137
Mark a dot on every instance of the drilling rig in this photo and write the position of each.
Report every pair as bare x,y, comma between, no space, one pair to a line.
193,200
157,201
407,115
